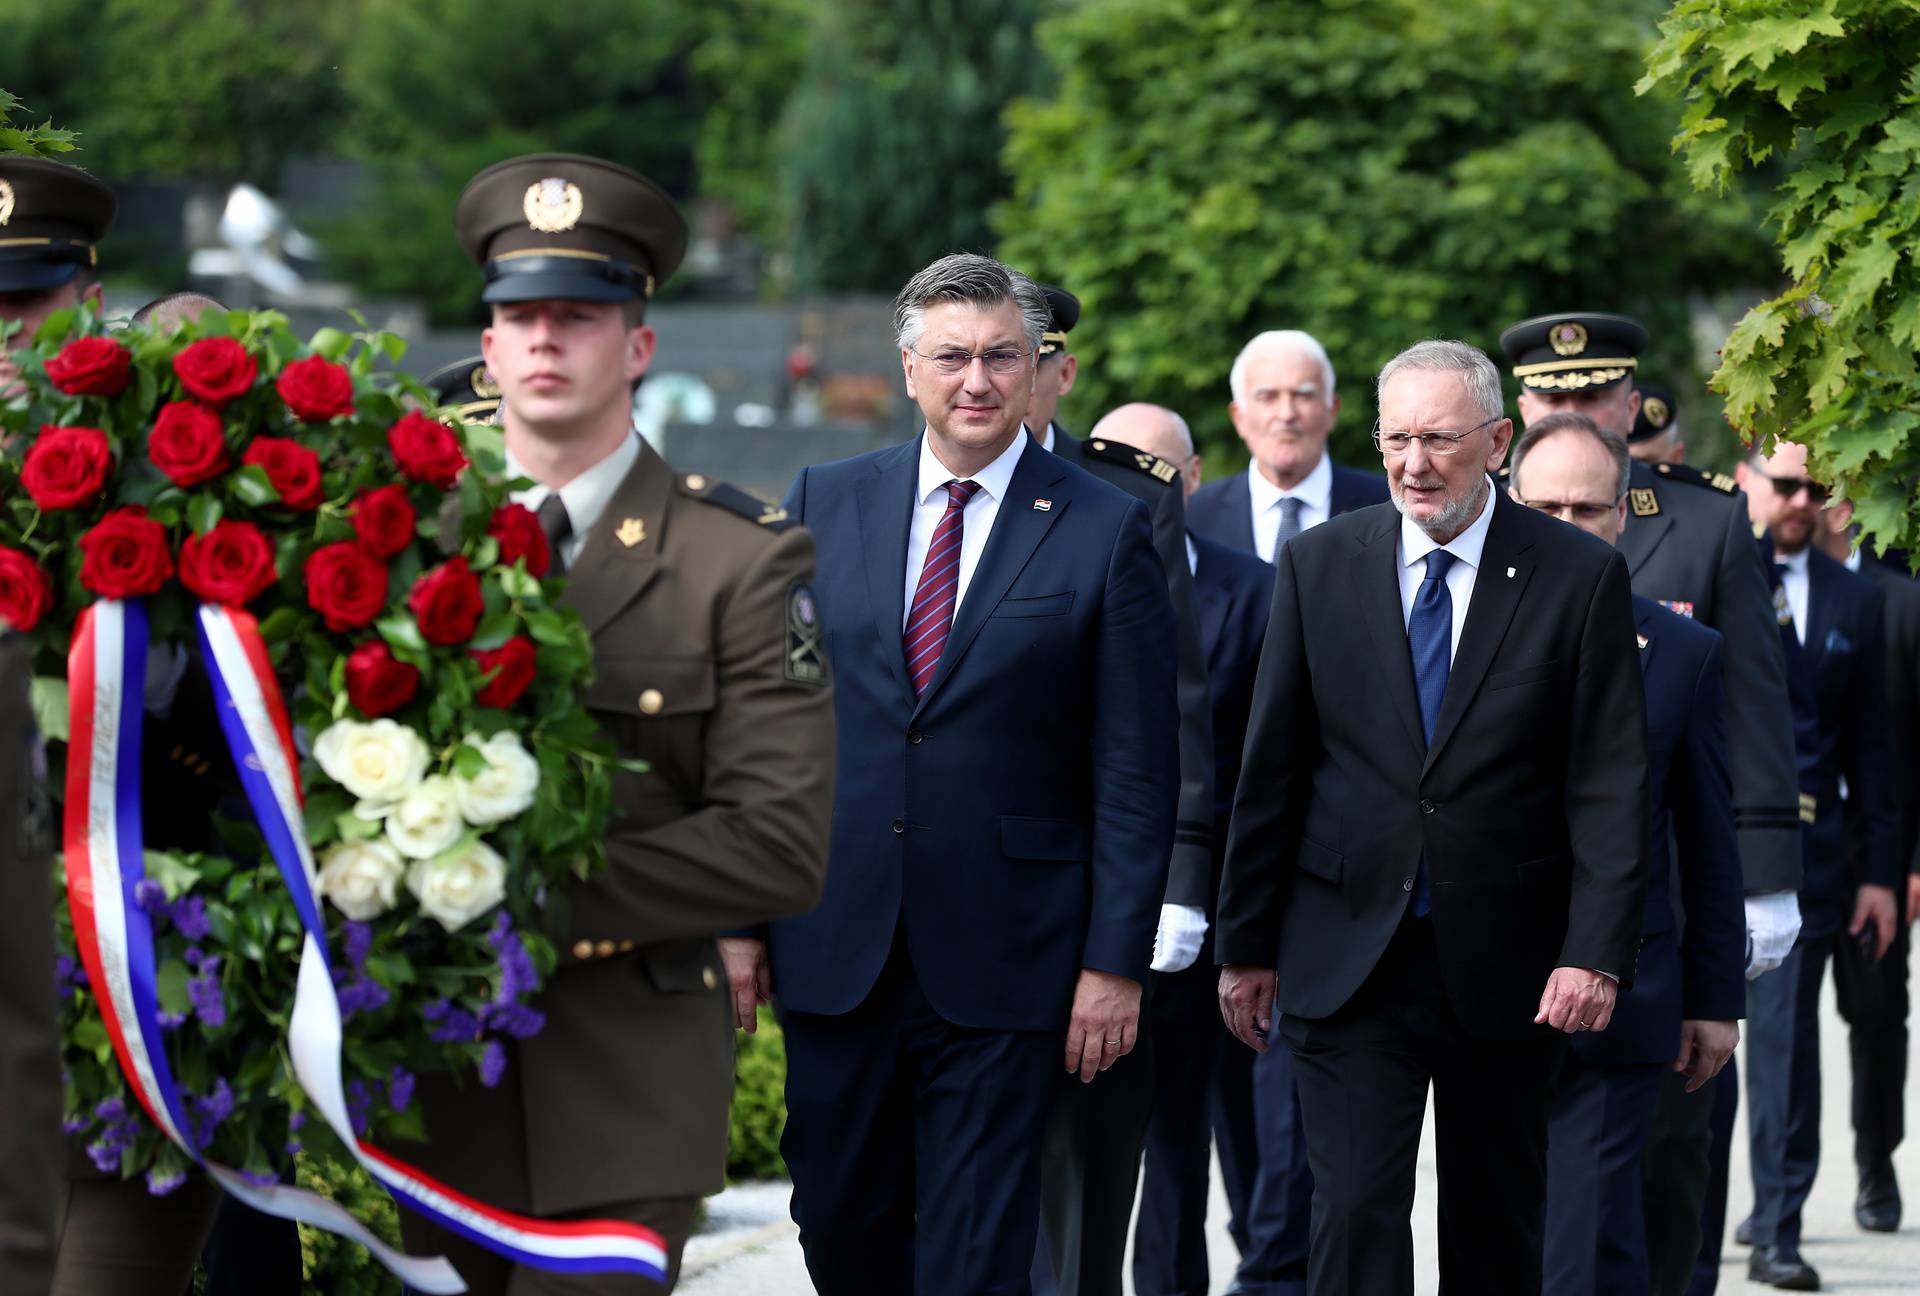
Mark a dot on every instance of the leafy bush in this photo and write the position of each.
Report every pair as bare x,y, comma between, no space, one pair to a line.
330,1263
759,1113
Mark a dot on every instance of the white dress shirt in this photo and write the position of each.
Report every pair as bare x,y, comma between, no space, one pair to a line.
1853,560
1794,581
1466,548
930,505
586,496
1315,493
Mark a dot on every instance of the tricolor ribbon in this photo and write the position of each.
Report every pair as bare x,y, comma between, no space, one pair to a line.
116,944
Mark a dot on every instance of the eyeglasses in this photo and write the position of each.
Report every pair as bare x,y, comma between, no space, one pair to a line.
1000,360
1571,512
1787,487
1438,444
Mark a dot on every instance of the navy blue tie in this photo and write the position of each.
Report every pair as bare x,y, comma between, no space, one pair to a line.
1430,641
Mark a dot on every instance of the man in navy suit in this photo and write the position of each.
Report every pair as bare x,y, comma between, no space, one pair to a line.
1831,630
1002,645
1232,592
1283,407
1689,990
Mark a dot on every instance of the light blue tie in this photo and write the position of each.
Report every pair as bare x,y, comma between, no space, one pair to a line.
1430,641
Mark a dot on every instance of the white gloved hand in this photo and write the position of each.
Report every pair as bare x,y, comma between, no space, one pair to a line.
1177,944
1773,924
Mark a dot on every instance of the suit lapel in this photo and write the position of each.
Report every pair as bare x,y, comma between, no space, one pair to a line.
1018,528
1643,621
885,501
1820,621
1240,500
1212,602
1497,588
610,573
1379,577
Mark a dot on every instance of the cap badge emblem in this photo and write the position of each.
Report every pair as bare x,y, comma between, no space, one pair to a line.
1568,339
483,384
1657,412
6,202
631,532
553,205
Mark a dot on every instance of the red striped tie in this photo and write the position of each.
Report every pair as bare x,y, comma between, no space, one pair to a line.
933,599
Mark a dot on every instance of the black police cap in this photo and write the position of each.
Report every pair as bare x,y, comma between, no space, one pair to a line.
1577,351
1658,410
1066,313
466,388
52,216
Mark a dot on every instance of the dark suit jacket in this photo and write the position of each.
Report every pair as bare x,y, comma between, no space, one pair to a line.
1902,657
1702,975
1016,821
1530,806
1696,549
1222,511
1190,874
1234,594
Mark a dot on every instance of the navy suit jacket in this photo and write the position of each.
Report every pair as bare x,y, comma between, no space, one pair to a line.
1699,977
1222,511
1233,594
1015,823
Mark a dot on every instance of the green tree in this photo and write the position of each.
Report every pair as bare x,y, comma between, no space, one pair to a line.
891,143
1373,171
1833,88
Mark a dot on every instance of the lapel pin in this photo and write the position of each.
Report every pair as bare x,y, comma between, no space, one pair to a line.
1509,573
1042,506
631,532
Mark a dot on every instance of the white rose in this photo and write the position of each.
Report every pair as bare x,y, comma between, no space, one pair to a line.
362,878
459,886
427,820
379,762
506,788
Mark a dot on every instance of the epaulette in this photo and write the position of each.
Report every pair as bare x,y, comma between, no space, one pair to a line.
1115,452
1692,476
734,500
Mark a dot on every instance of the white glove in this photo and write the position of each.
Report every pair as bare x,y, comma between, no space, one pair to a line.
1773,924
1177,944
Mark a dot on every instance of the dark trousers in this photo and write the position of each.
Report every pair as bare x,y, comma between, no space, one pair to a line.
251,1254
1713,1211
914,1145
1280,1212
1236,1138
116,1239
1873,999
1783,1089
1363,1076
1190,1048
1090,1166
1596,1243
1675,1169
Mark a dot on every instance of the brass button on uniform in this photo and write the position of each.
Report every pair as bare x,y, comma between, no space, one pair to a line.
899,826
696,482
583,949
604,949
709,978
651,701
1407,885
626,947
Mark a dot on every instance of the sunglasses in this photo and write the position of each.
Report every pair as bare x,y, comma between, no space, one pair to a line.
1788,487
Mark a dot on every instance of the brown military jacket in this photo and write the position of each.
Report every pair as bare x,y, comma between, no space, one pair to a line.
709,668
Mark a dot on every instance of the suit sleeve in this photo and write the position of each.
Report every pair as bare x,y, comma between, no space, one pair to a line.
1190,870
1866,752
1766,783
1275,774
757,847
1136,768
1607,786
1713,949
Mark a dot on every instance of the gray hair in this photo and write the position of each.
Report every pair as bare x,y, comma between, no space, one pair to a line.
1614,444
977,281
1278,340
1440,355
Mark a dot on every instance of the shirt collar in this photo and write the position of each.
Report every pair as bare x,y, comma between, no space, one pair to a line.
1046,438
1468,546
1853,560
993,479
1315,489
588,494
1795,563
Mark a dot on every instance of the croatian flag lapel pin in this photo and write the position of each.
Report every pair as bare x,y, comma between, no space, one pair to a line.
1042,506
1509,573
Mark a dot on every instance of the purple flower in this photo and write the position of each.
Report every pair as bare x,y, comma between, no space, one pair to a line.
297,1121
161,1182
204,990
73,1124
171,1021
400,1089
358,1100
194,956
518,978
357,939
362,995
210,1112
260,1179
105,1154
112,1109
294,1122
150,896
456,1025
116,1136
189,915
514,1019
69,975
493,1063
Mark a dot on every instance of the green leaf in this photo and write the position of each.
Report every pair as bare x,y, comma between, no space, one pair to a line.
402,631
352,827
174,874
203,512
495,630
50,707
330,343
170,987
252,487
469,762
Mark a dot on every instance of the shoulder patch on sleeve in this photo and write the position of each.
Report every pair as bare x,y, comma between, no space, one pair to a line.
1691,476
734,500
806,662
1139,460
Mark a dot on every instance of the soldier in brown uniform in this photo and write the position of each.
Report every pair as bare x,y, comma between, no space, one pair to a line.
709,668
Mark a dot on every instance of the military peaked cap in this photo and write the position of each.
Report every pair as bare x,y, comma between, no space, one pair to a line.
51,217
1574,351
1066,313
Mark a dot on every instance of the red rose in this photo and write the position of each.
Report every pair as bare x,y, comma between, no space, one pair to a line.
426,451
316,390
384,520
346,585
232,564
521,536
446,602
125,555
216,370
90,366
376,683
293,469
187,444
66,467
25,591
512,664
